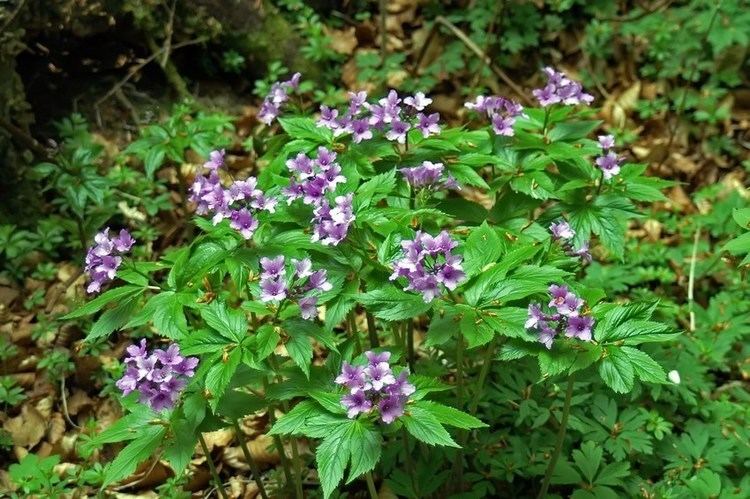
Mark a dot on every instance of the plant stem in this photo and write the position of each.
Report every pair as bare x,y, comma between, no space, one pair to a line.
250,461
371,486
292,440
409,463
212,467
353,331
372,330
486,363
410,343
459,464
560,439
546,121
277,441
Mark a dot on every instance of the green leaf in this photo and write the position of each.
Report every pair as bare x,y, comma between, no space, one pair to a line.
114,318
300,350
103,299
644,366
365,446
571,131
425,427
305,128
267,339
140,449
588,459
204,257
375,189
220,374
450,416
230,322
490,277
153,160
617,371
482,247
169,318
332,456
466,175
294,421
391,304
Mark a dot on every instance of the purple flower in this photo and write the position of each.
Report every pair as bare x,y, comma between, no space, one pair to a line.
159,378
503,125
331,225
609,164
558,294
398,131
375,386
215,160
302,268
535,316
319,281
427,263
272,290
418,102
562,230
583,253
580,327
357,100
356,403
308,307
243,222
353,377
547,336
103,260
606,142
502,112
360,130
428,125
374,358
328,118
561,89
272,267
391,408
277,96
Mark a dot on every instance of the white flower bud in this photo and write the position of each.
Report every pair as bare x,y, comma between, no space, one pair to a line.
674,377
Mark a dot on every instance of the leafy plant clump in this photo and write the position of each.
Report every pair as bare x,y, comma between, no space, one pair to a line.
396,295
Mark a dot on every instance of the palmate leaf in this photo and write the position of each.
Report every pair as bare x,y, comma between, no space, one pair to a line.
138,450
425,427
391,304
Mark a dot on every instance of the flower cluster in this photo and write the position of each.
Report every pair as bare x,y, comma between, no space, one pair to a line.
277,284
279,94
429,262
566,317
103,258
330,225
429,175
311,180
609,162
239,203
158,377
375,385
502,112
561,89
564,234
388,116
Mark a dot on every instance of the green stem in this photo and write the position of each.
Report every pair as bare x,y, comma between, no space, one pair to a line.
277,441
371,486
459,464
546,120
212,467
486,363
410,344
372,331
353,331
293,441
560,440
250,461
409,463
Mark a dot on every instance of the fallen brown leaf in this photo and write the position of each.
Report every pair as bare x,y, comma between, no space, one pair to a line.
26,429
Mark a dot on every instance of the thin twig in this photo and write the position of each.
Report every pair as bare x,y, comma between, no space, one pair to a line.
13,15
691,279
143,63
484,57
212,467
24,139
64,399
169,33
636,17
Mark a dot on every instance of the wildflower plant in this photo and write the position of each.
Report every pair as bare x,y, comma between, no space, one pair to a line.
367,281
